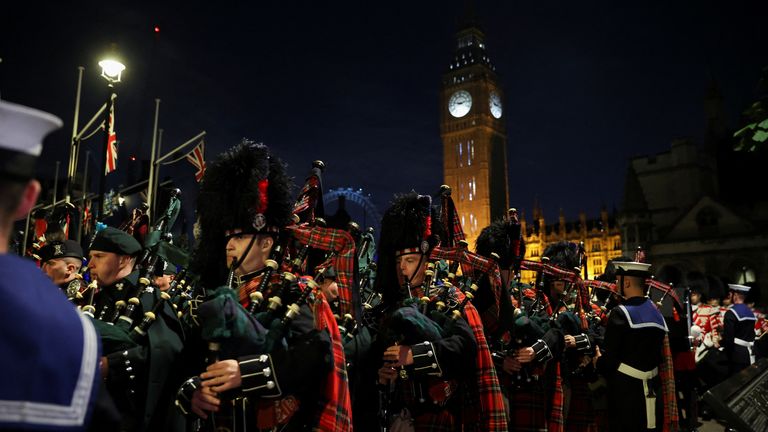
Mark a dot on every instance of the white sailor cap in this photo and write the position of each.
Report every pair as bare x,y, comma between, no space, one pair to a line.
22,130
631,268
740,288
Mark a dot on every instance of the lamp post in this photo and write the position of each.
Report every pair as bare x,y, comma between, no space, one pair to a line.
111,70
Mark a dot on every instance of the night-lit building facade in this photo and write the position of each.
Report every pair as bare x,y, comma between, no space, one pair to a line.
473,134
601,237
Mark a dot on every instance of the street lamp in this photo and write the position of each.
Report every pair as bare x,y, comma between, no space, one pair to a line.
111,70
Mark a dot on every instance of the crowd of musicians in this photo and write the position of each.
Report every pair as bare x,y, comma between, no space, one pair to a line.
279,320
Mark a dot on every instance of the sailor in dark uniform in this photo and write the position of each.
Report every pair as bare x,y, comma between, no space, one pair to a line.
62,261
739,330
135,375
49,353
631,354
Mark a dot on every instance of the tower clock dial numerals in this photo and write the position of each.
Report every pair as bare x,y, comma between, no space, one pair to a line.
460,103
494,103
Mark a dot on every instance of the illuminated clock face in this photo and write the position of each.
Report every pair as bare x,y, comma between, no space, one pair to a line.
494,102
460,103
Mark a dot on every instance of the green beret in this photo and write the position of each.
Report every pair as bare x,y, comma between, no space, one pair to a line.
165,268
116,241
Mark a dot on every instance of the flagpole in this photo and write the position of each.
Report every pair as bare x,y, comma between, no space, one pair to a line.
151,181
85,193
56,183
186,143
26,235
72,170
103,172
157,169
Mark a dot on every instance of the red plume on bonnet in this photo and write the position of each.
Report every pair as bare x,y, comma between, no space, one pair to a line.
263,203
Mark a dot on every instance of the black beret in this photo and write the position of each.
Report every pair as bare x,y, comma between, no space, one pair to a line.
58,249
116,241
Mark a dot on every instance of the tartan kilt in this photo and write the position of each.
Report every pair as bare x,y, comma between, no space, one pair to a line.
581,410
528,408
440,421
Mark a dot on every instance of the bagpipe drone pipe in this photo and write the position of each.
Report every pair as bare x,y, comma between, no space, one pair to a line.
50,226
257,316
434,313
120,325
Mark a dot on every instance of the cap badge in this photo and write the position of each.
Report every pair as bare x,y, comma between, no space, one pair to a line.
259,221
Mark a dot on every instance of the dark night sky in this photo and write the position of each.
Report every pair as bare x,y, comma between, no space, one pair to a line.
356,84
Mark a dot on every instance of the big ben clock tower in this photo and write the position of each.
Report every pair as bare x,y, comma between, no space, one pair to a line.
473,134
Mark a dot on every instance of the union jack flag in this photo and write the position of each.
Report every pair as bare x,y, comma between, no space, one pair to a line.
197,158
111,142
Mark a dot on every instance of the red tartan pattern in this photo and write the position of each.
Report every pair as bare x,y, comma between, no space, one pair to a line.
441,421
336,414
666,289
581,413
526,410
669,398
531,294
492,415
343,261
335,407
556,421
450,217
556,417
569,275
596,284
472,262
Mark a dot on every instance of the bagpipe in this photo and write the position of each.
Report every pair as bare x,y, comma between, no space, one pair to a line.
50,226
79,290
119,325
254,317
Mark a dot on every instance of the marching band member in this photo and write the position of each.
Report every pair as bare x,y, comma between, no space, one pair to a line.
422,360
738,330
135,374
61,261
632,356
576,365
165,274
300,382
535,398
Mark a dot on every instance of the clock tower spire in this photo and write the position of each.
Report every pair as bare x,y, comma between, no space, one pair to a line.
473,133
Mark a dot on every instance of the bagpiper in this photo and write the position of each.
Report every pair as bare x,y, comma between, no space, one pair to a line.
422,356
270,366
136,363
61,261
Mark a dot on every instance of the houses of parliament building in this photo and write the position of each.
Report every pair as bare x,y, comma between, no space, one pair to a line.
601,237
